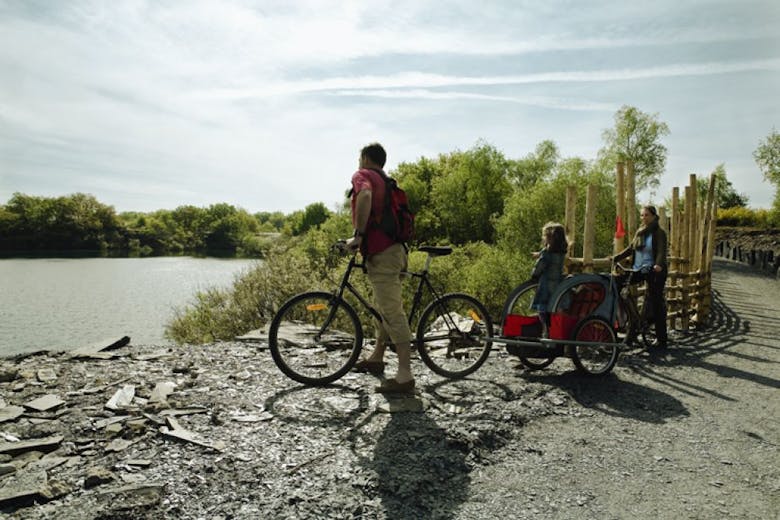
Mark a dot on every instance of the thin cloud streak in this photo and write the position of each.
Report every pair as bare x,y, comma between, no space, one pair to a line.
425,80
546,102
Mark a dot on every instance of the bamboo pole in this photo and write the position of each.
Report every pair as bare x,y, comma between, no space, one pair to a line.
684,258
570,219
620,205
630,199
588,237
674,250
705,263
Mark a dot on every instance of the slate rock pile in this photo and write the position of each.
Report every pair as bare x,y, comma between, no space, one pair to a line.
216,431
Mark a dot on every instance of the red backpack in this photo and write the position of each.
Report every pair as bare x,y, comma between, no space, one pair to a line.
397,219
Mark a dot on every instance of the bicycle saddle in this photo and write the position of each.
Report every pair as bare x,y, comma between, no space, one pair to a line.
435,250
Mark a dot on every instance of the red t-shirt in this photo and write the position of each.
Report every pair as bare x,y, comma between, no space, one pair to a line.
364,179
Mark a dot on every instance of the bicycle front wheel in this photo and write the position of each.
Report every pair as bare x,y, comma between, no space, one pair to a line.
315,338
454,335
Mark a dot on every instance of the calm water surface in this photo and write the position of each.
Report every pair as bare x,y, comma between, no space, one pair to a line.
67,303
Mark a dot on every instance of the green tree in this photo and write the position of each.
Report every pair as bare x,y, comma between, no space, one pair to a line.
519,228
470,193
767,156
270,221
636,138
725,194
535,166
416,179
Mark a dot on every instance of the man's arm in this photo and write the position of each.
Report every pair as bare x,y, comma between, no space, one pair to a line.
362,214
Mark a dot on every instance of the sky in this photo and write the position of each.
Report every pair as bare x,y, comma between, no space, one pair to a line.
265,104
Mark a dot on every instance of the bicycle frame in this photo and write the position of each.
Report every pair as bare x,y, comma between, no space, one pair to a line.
346,285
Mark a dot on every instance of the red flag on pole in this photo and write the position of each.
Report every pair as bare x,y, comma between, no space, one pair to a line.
619,231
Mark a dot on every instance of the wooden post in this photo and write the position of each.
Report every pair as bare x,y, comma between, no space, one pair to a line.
685,304
590,229
620,205
693,246
630,200
674,254
570,218
663,222
705,262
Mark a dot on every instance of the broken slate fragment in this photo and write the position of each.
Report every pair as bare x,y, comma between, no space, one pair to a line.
118,445
102,423
44,444
46,402
182,411
97,475
138,462
10,413
161,392
8,374
134,496
95,349
46,375
174,429
122,398
23,485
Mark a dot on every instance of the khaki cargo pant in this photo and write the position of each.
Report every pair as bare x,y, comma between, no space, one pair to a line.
384,274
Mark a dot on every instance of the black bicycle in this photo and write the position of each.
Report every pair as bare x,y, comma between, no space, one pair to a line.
635,315
316,337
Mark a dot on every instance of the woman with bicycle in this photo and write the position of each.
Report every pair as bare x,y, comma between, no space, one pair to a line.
649,257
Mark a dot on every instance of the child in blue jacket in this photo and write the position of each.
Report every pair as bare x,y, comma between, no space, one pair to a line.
548,270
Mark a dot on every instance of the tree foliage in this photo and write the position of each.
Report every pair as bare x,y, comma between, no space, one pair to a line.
767,156
79,222
520,226
73,222
636,137
725,194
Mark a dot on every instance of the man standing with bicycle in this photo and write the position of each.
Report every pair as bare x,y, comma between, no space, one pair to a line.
385,259
649,250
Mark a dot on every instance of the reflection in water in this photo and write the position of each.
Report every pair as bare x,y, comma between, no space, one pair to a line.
67,303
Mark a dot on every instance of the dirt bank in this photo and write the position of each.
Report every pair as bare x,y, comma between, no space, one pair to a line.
693,434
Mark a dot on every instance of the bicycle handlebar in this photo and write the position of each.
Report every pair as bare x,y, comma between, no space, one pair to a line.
629,269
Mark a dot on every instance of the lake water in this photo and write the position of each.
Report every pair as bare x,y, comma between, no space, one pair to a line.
62,304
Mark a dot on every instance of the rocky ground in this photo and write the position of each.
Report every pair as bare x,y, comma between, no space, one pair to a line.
217,432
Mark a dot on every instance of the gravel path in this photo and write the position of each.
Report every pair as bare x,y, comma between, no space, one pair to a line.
693,434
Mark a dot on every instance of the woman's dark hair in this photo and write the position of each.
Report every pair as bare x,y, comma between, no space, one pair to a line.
376,153
556,237
651,209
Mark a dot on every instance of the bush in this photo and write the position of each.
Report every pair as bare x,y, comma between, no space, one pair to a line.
746,217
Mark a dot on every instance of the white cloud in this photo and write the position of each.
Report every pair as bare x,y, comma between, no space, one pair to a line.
264,104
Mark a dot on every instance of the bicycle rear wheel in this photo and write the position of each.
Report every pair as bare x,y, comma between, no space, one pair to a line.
595,360
315,338
454,335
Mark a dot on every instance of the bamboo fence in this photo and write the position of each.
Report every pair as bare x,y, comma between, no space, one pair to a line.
690,229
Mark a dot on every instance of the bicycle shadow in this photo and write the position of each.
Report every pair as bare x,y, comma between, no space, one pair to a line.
615,397
726,333
422,470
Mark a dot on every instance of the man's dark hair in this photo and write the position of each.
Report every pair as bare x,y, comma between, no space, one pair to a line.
375,153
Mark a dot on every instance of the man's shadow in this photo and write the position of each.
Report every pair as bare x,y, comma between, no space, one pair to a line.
422,470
